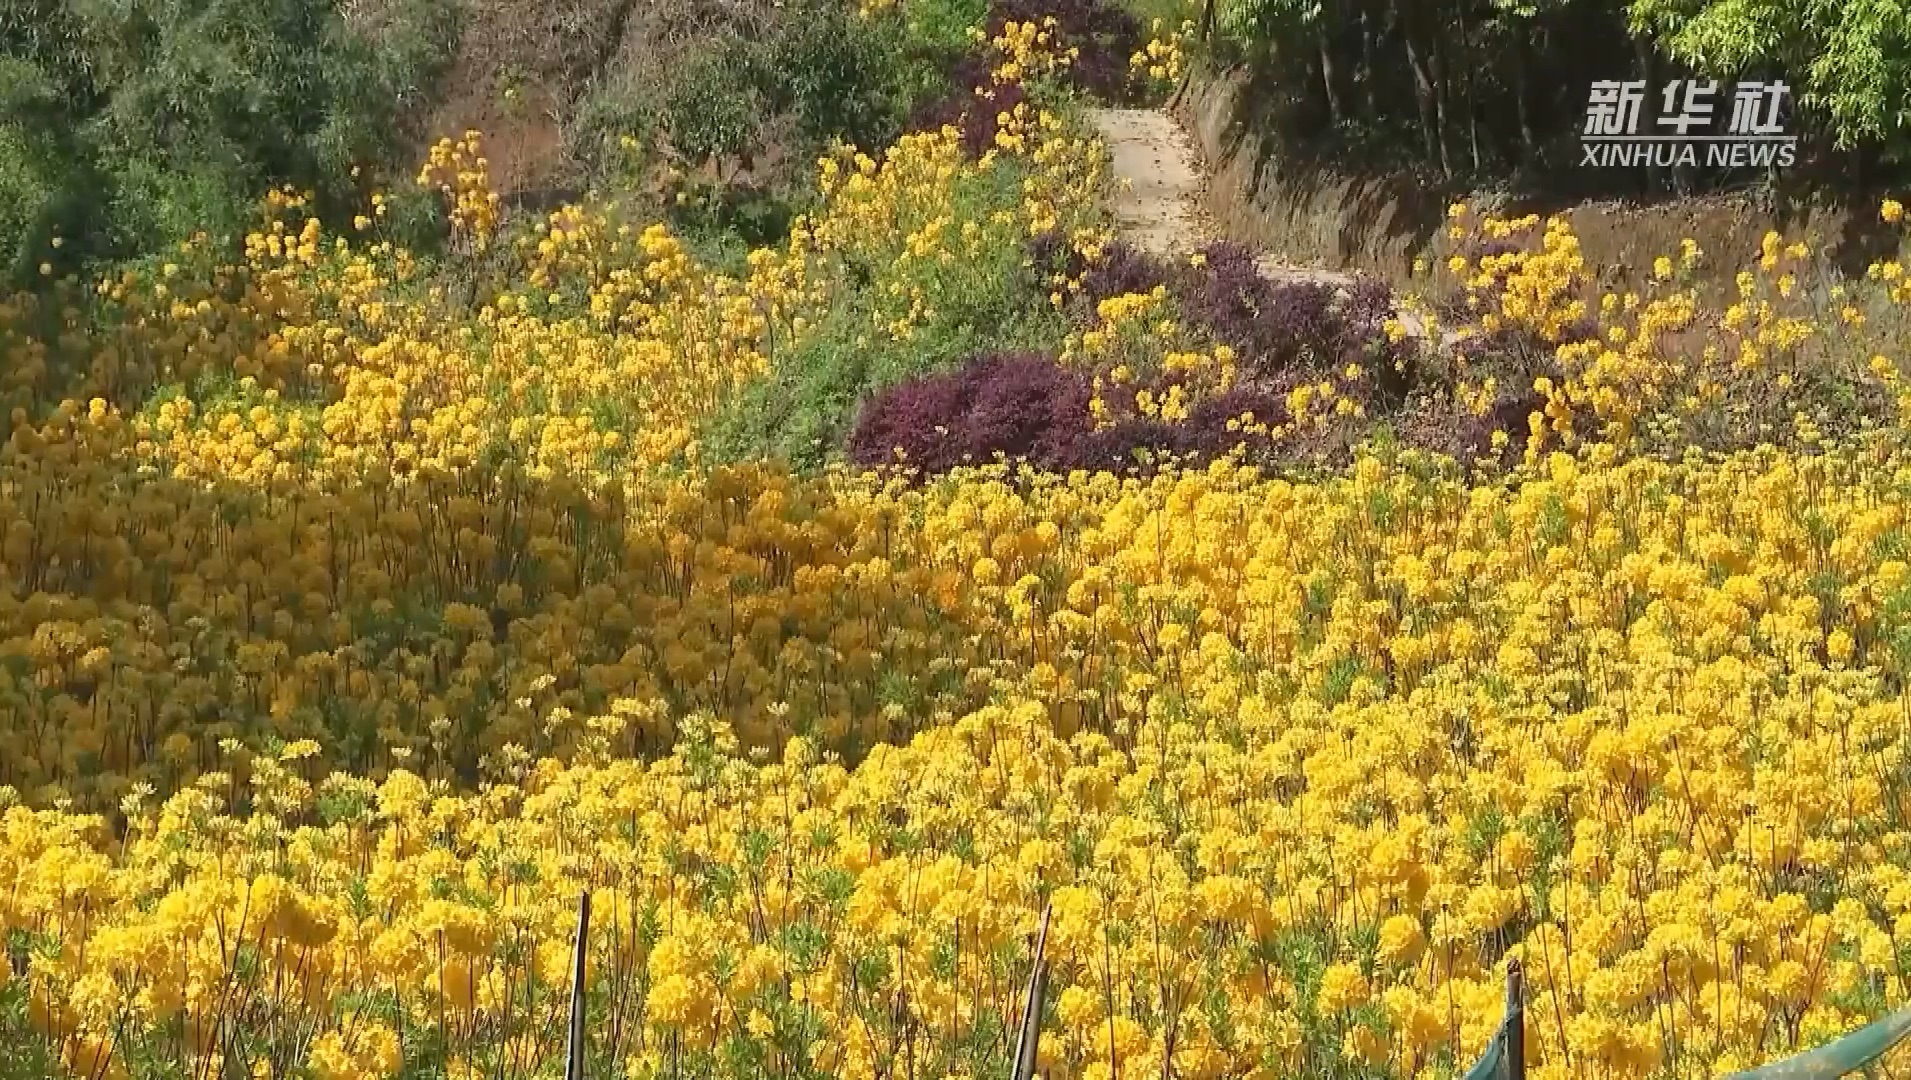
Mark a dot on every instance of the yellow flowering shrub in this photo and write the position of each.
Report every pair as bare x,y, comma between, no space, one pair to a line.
459,171
1163,61
1797,351
1328,751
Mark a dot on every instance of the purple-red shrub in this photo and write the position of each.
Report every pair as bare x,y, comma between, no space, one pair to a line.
1209,432
1485,247
1274,326
1104,36
1027,407
1364,311
1121,269
1022,405
1268,328
972,106
1443,428
1386,365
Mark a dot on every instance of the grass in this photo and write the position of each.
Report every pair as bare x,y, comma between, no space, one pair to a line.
1170,12
979,302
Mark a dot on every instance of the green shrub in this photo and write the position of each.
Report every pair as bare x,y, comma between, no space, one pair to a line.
842,76
803,412
713,108
158,197
994,302
741,217
41,181
607,113
834,73
416,220
942,26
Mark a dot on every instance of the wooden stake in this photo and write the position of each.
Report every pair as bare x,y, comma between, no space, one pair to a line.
1515,1020
1030,1041
574,1048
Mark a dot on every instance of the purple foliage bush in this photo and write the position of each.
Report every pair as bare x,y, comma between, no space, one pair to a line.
1365,311
1387,365
1208,433
1027,407
1482,247
1274,326
1521,350
1269,327
969,112
1022,405
973,115
1105,35
1122,268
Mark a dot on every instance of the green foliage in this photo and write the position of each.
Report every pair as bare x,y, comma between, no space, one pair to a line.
1497,88
147,121
1267,20
943,25
726,221
613,126
1851,61
416,220
746,113
713,109
821,68
845,77
803,412
40,174
27,1057
993,302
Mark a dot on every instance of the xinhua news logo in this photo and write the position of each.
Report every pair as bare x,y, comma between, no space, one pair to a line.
1685,131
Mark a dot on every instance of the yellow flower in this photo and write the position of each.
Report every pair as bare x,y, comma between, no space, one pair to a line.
1401,940
1342,987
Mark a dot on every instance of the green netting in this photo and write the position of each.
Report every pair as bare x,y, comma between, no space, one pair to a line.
1495,1063
1847,1055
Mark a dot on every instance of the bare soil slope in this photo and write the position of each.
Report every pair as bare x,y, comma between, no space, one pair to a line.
524,69
1158,206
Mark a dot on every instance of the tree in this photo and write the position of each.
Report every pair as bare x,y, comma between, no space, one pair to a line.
162,118
1850,60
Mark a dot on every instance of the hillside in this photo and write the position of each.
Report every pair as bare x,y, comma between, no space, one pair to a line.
832,562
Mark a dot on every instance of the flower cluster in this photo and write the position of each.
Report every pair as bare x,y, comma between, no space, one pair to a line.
1793,352
1097,37
1163,61
458,170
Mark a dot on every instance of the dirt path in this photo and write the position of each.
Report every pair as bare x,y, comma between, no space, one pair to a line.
1160,174
1158,207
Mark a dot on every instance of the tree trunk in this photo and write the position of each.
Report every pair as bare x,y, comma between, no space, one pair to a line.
1327,81
1467,89
1367,72
1422,84
1528,143
1642,53
1442,77
1207,20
